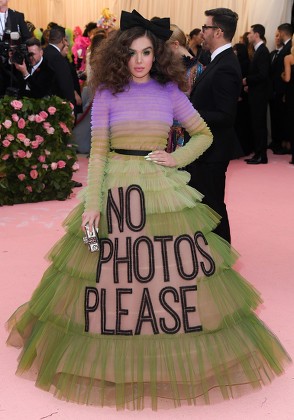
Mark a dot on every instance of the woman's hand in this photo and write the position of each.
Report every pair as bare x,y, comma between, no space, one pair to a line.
161,157
91,217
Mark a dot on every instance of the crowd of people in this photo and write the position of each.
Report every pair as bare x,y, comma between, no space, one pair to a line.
63,60
156,312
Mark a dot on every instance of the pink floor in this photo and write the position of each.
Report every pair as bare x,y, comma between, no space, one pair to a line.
261,207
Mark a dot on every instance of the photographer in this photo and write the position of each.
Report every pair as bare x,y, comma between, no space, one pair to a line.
12,21
38,77
13,32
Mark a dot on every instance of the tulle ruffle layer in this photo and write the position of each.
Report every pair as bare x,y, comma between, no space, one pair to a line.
232,353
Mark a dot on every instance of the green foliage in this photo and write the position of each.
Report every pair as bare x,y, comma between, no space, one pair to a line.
36,158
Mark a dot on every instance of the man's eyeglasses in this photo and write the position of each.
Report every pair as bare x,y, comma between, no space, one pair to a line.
204,27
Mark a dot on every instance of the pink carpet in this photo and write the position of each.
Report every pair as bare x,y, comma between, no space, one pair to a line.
261,208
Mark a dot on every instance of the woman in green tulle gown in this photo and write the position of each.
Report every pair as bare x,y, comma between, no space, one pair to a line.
157,314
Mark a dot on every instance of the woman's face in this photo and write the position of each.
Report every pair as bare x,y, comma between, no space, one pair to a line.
141,59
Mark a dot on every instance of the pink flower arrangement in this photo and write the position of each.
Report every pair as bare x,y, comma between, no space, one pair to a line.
34,150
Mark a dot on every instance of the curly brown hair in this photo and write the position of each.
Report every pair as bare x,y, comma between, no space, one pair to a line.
110,62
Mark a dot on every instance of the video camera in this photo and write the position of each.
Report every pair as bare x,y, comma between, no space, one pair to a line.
12,48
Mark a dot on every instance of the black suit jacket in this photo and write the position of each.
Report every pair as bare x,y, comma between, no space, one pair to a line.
63,85
16,23
214,96
40,82
277,68
258,75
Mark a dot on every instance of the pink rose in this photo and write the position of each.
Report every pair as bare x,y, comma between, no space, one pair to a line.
31,117
39,139
34,174
53,166
61,164
45,166
21,136
29,188
7,124
64,127
21,123
42,158
28,154
34,167
21,154
34,144
27,142
5,157
15,117
47,153
43,114
9,137
75,166
21,177
51,110
46,125
6,143
71,105
16,104
38,118
50,130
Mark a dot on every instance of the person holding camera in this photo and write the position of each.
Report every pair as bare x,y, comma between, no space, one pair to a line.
13,32
37,75
12,21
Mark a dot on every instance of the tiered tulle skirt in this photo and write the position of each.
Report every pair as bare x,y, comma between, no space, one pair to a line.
157,316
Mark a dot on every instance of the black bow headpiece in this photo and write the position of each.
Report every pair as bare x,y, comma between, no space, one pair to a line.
160,27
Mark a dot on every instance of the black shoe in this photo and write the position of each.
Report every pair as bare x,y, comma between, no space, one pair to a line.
76,184
257,161
254,157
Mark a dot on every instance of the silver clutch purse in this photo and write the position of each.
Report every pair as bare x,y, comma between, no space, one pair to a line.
91,239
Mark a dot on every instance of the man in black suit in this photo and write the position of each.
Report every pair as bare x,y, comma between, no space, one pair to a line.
278,87
258,85
215,95
38,79
12,21
63,83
